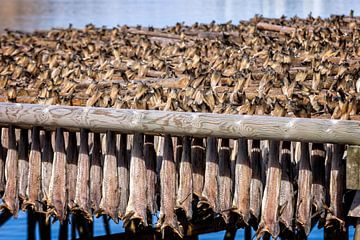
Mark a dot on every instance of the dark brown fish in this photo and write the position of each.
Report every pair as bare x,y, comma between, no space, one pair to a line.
178,143
168,219
303,203
241,202
71,169
34,181
318,189
2,165
23,163
198,165
82,197
287,195
136,208
209,196
123,175
47,157
57,188
10,198
95,174
151,177
335,217
110,191
269,209
184,193
256,185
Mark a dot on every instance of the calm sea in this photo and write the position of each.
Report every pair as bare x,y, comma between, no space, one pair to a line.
43,14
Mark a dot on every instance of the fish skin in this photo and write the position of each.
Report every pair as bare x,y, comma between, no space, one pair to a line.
303,206
269,211
2,164
243,173
256,185
110,190
123,175
57,188
23,163
151,177
185,190
198,165
46,166
71,168
95,174
136,208
33,191
82,194
10,198
168,219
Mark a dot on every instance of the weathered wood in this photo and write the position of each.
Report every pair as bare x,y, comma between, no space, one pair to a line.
353,167
182,123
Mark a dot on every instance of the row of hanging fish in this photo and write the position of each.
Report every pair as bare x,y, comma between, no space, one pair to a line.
278,188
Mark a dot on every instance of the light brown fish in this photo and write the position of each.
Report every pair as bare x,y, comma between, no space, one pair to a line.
110,191
151,177
123,175
303,203
10,198
2,165
47,157
185,190
241,202
57,188
23,163
209,196
198,165
168,219
71,169
136,208
34,181
82,197
256,185
269,209
95,173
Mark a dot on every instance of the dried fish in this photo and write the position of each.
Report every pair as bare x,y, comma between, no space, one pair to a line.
95,174
269,208
198,165
34,181
184,193
110,191
2,165
82,197
23,163
241,203
10,198
168,219
123,175
71,169
151,178
136,208
46,166
57,188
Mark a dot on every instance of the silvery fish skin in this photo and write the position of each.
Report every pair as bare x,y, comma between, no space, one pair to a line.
269,211
96,174
209,197
287,195
318,190
57,189
34,181
184,193
71,168
136,208
168,219
241,202
335,217
123,175
23,163
46,166
303,206
82,196
10,198
198,165
225,180
2,164
256,185
110,191
151,177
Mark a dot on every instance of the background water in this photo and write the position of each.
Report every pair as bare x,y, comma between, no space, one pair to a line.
30,15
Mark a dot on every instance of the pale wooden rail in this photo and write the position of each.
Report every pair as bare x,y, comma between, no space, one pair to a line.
181,123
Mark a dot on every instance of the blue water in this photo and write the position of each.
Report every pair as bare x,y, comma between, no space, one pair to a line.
43,14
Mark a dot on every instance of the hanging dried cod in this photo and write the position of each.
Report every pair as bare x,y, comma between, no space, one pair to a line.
23,163
123,175
95,174
198,165
2,165
150,162
71,168
10,198
241,203
46,166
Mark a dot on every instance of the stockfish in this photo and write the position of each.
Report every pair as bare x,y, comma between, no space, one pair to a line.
123,175
71,168
151,177
23,163
95,174
198,165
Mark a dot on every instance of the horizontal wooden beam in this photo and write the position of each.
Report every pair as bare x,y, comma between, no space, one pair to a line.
181,123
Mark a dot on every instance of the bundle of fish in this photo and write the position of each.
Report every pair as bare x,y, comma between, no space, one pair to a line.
278,188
